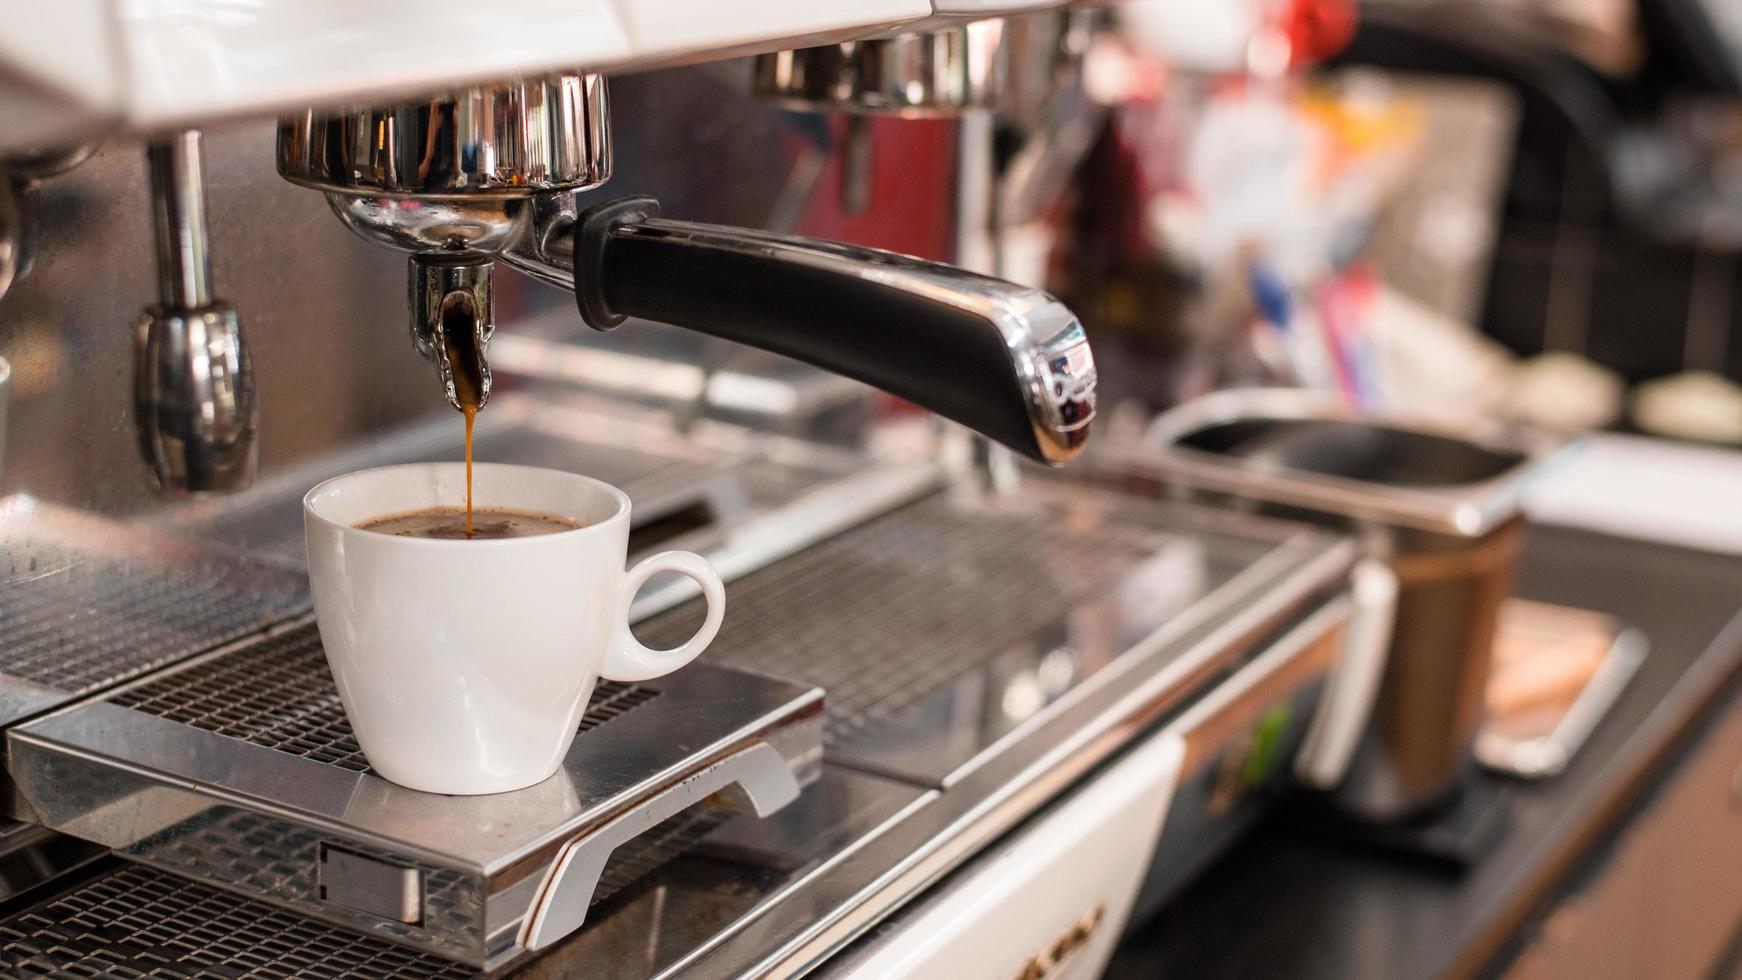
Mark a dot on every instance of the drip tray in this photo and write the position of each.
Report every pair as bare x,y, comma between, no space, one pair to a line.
941,628
239,769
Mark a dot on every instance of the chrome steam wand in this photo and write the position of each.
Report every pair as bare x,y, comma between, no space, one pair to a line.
193,393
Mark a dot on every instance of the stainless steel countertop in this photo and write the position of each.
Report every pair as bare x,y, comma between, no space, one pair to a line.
1142,607
778,898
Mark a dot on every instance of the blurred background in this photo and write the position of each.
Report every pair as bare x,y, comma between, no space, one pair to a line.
1511,222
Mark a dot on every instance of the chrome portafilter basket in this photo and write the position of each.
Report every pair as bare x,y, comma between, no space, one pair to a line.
934,73
450,179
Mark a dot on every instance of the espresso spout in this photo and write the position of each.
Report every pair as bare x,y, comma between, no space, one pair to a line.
451,300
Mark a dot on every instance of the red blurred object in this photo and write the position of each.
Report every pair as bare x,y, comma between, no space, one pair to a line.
913,191
1317,29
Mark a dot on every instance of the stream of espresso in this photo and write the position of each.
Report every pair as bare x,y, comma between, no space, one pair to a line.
466,363
471,420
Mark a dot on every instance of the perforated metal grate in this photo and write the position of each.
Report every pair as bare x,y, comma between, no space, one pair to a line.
75,622
891,611
266,856
279,693
136,922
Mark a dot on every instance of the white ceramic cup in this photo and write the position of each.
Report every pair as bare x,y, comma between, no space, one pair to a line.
465,666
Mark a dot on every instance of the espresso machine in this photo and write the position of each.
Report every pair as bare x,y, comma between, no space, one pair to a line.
1011,88
910,682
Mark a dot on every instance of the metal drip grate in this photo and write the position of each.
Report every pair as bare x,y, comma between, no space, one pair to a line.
75,620
886,614
136,922
263,855
278,693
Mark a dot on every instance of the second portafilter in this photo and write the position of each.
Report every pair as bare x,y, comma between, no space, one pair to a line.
465,178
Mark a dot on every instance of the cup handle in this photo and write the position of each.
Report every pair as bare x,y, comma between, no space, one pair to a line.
628,659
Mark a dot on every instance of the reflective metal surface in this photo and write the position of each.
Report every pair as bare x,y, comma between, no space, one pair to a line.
279,695
938,72
87,602
1418,747
453,304
1151,680
942,627
304,284
5,397
448,179
1014,164
1046,121
322,307
31,856
135,916
158,772
178,217
193,387
1023,723
133,921
1221,770
741,871
1015,729
47,161
1440,509
194,400
19,173
1047,351
11,234
1021,727
1468,505
674,374
506,140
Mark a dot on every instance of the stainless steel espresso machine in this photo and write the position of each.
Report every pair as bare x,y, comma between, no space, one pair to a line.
932,722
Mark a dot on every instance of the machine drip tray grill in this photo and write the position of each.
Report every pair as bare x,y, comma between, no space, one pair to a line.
278,693
135,922
890,613
238,768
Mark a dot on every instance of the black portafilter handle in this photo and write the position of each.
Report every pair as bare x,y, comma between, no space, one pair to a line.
1010,362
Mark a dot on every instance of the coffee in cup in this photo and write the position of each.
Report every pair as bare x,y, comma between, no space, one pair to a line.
465,665
477,524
